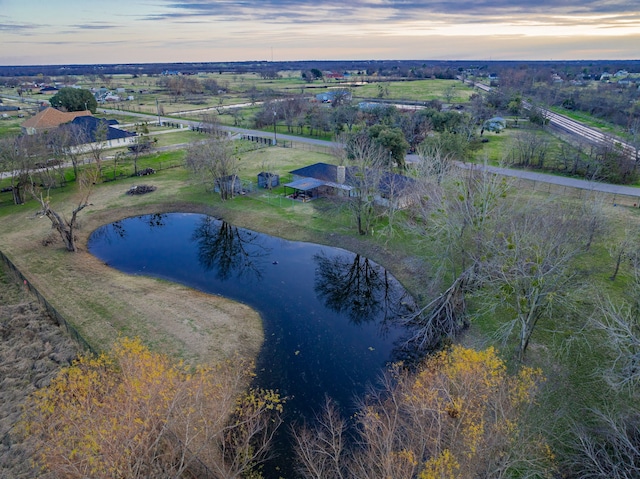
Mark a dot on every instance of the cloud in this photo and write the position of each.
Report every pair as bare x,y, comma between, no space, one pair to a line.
96,26
392,10
18,28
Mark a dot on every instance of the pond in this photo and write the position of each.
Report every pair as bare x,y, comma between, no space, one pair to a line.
329,315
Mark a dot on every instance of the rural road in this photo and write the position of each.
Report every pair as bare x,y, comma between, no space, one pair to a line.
557,180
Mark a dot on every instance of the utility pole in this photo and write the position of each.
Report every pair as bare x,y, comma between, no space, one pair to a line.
158,110
275,134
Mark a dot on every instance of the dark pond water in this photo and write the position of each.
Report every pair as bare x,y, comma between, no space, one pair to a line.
329,315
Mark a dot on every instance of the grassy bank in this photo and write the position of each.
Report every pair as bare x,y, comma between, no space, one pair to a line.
103,303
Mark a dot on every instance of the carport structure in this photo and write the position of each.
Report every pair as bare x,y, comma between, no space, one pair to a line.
306,189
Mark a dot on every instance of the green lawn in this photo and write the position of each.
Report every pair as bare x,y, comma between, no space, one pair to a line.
10,126
418,90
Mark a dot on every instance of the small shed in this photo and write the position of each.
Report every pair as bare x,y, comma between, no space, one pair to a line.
268,180
229,184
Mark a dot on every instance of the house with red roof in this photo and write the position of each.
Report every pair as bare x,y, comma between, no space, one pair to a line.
49,119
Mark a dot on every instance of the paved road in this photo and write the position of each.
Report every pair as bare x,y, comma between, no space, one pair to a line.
558,180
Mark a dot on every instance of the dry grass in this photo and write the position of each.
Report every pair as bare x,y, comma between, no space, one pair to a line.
32,349
104,303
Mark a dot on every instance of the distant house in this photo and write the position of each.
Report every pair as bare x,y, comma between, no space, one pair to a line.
332,95
323,179
333,75
50,119
48,90
497,124
103,95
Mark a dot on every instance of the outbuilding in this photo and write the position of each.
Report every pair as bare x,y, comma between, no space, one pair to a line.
268,180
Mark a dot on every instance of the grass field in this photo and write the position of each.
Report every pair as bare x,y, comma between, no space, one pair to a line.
10,126
447,91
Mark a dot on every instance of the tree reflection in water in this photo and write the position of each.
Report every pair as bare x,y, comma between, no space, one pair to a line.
227,249
360,288
154,220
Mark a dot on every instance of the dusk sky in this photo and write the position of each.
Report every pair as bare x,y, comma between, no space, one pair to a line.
146,31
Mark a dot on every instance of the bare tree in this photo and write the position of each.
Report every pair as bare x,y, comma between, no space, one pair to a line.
634,130
22,156
237,115
605,443
97,143
623,247
526,269
321,448
209,123
66,140
396,193
614,164
595,218
215,162
619,323
141,144
66,227
459,213
366,161
528,149
435,161
607,449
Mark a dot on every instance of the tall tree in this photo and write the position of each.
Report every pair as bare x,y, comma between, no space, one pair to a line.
529,149
366,162
525,268
96,142
392,140
65,141
215,162
74,99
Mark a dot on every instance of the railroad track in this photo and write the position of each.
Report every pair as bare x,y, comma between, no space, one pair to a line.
589,134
